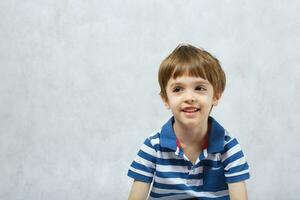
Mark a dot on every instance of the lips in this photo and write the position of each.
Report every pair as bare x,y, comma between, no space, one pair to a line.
190,109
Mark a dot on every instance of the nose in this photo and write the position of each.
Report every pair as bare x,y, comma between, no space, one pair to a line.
189,97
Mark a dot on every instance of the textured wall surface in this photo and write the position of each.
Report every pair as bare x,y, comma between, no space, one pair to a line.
79,91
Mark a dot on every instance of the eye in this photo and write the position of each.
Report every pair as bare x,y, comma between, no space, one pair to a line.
177,89
200,88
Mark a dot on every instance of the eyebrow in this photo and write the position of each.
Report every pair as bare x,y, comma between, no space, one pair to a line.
196,82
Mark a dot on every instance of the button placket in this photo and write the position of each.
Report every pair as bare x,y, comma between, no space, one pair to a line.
191,181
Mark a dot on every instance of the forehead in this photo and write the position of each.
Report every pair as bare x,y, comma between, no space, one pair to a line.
187,80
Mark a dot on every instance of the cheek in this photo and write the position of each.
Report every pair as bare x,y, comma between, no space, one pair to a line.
206,101
173,103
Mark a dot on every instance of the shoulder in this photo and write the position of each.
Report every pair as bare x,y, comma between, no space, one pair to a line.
232,152
154,136
230,141
153,140
228,137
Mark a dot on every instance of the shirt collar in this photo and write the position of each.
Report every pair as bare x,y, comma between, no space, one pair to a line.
168,137
215,141
216,137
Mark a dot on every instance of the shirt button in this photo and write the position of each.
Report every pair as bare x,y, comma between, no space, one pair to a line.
189,167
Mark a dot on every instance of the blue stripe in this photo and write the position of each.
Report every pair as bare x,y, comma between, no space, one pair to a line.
177,162
227,138
229,145
218,198
142,167
177,187
157,147
211,163
238,168
233,158
148,143
167,186
178,175
196,176
171,174
139,177
157,135
147,156
239,178
181,162
157,195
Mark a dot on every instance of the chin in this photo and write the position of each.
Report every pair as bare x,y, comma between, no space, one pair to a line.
191,122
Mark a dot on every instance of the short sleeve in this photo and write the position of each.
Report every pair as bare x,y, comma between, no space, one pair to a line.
236,168
143,166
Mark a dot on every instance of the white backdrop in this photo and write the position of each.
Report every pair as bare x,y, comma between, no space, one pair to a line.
79,90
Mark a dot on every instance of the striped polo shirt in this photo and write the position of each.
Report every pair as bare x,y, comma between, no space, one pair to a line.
162,162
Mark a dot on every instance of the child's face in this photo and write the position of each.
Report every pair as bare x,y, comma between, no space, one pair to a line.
190,100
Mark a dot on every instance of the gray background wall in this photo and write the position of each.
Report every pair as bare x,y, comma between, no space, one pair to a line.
79,91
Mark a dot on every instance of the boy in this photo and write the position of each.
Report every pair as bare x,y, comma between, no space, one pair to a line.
192,156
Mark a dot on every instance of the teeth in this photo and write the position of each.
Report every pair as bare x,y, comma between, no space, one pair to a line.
191,110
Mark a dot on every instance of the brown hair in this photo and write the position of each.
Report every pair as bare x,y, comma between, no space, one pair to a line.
190,60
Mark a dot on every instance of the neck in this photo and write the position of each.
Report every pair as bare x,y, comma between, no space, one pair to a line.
191,135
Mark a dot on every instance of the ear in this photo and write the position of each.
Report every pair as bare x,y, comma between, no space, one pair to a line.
216,99
165,101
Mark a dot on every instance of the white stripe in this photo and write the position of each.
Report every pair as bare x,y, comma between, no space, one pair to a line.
167,191
148,150
185,157
226,132
197,170
154,141
205,153
231,138
237,162
192,193
214,157
181,169
167,155
170,155
171,168
144,162
237,173
141,172
159,154
176,181
177,151
231,152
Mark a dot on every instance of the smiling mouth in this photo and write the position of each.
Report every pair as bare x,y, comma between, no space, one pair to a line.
190,110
